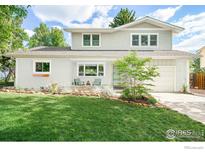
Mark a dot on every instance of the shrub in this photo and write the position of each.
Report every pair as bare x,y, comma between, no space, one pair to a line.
184,88
152,100
54,88
126,94
134,93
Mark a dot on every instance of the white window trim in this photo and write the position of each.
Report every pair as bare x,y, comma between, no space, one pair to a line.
90,63
140,45
91,38
41,61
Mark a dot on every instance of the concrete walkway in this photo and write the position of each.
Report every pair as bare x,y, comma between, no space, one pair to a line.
191,105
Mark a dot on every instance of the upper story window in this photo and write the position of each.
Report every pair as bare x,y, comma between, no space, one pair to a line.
91,40
145,40
153,40
86,40
135,40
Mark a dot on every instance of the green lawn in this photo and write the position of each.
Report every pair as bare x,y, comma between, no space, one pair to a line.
26,117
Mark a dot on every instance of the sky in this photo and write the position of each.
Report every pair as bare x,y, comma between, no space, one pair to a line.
192,18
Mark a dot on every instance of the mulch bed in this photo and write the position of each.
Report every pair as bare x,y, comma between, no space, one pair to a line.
87,92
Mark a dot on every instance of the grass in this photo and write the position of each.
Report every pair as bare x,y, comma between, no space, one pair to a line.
25,117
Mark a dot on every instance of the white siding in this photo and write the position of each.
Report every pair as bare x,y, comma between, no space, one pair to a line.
61,71
202,58
120,40
182,73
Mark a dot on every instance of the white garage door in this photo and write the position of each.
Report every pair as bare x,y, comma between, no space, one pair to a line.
166,81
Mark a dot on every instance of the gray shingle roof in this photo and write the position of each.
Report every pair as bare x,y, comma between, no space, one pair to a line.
63,53
46,48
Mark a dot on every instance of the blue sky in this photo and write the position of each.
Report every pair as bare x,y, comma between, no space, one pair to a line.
192,18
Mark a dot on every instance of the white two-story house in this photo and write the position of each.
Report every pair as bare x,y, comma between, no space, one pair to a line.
94,50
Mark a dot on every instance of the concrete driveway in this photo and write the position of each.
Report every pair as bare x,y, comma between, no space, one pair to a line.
191,105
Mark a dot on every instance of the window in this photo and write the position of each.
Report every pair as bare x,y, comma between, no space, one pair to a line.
153,40
91,40
90,70
86,40
100,70
81,70
42,67
95,40
144,40
135,40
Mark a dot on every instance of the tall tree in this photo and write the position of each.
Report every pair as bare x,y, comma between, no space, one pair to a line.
44,36
123,17
57,37
12,35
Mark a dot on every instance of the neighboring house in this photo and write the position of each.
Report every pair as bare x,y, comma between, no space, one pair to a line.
201,53
94,50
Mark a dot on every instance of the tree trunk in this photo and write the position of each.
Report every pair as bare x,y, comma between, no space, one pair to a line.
10,73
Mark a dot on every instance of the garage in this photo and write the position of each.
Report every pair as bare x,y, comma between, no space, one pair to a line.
166,81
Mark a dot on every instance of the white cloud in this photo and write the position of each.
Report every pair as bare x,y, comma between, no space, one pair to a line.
191,44
71,15
29,32
101,21
56,26
75,16
165,14
103,10
63,14
193,35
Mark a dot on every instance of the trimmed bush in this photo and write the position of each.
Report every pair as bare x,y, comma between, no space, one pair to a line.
152,100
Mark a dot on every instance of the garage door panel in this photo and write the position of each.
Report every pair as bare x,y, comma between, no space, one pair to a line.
166,81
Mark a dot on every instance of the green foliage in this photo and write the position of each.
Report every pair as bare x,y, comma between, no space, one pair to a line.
184,88
135,74
151,100
12,35
195,66
123,17
44,36
134,93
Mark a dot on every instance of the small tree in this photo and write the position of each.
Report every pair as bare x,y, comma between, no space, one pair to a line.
135,75
195,66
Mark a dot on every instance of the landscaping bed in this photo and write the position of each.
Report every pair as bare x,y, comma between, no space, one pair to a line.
83,91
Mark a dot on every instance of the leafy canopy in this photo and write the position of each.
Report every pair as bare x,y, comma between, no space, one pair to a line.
135,73
12,35
195,66
123,17
44,36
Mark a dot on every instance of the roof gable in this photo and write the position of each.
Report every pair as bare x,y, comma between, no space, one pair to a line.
144,25
146,21
152,21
